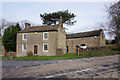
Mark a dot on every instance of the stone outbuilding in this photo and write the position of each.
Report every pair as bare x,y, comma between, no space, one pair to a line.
89,39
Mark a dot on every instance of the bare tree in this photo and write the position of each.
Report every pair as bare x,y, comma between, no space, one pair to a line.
114,20
5,24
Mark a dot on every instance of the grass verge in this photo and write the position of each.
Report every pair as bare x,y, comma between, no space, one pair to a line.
65,56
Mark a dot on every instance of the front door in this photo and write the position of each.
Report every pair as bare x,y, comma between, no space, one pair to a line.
35,49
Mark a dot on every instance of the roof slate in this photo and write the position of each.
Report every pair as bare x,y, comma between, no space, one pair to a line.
40,29
84,34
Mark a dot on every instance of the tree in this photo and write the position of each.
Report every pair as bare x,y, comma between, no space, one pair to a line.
53,18
9,37
114,20
0,31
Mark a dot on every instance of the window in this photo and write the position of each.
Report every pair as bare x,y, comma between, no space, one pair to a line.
24,47
45,48
82,44
45,35
24,36
66,49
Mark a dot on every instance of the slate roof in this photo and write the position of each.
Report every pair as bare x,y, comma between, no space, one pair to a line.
84,34
40,29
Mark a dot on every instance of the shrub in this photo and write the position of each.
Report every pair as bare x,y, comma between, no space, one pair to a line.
13,54
116,48
30,53
59,52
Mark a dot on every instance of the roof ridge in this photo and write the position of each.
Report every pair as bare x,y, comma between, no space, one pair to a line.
40,28
85,32
43,26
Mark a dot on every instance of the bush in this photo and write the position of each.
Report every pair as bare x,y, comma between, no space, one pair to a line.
117,48
13,54
30,53
59,52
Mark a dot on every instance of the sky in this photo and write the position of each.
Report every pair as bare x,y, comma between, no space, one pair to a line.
88,14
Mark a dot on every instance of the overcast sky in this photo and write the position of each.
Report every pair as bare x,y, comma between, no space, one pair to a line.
88,14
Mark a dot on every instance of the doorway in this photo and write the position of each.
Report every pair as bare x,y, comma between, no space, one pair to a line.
35,49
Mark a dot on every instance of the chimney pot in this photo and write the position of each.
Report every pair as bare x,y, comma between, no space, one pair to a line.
61,21
60,17
27,25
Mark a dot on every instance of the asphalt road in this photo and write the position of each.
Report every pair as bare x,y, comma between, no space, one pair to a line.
95,67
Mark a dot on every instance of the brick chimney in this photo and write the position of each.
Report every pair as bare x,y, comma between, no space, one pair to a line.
61,21
27,25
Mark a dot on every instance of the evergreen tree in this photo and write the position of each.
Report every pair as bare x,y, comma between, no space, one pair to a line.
53,18
9,37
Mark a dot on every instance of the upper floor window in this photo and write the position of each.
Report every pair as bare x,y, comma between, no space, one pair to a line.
45,35
24,36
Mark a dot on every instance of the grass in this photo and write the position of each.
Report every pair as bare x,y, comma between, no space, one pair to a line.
65,56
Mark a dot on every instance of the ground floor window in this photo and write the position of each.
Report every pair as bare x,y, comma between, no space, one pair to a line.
83,47
66,49
45,47
82,44
24,47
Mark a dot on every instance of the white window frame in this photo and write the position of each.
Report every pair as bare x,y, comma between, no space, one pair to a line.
44,36
23,47
43,48
24,37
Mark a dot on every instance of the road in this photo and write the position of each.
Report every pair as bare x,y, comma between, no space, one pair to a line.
95,67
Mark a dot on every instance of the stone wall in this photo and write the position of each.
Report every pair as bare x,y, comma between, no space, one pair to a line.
37,40
94,41
61,39
102,38
97,49
88,41
1,47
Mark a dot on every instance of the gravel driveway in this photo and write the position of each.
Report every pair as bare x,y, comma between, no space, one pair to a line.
9,64
95,67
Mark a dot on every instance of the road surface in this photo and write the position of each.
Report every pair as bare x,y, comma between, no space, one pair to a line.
94,67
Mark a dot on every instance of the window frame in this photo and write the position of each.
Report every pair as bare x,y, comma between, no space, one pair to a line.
44,36
23,38
44,48
24,47
67,49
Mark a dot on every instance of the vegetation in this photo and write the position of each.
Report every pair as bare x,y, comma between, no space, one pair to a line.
110,42
53,18
114,21
65,56
30,53
9,37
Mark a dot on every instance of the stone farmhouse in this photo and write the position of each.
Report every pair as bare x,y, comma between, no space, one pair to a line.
52,39
41,40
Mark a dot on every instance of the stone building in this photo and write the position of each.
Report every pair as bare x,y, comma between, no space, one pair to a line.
52,39
41,40
88,39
